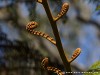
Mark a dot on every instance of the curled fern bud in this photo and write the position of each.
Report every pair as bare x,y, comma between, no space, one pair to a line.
40,1
63,11
30,27
75,54
45,65
44,62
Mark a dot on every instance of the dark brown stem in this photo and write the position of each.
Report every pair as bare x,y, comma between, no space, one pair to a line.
57,37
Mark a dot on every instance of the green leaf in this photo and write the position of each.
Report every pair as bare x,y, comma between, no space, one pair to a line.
94,69
95,65
98,7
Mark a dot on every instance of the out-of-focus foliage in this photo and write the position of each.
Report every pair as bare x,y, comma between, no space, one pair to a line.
97,2
96,65
95,69
98,7
80,27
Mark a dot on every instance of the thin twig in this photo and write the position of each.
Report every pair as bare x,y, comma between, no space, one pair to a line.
57,37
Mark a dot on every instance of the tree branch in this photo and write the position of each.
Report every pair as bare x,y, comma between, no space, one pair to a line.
57,37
